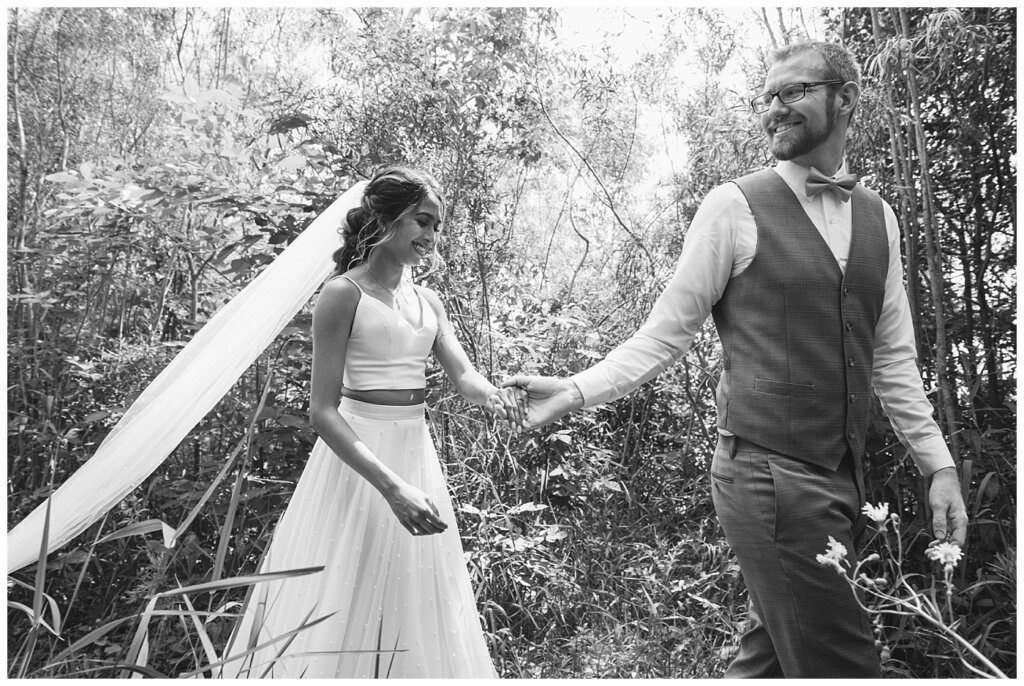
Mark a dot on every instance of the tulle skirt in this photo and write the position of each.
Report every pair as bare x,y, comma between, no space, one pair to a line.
397,605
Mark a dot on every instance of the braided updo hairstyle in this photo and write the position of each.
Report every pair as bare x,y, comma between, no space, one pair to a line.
391,194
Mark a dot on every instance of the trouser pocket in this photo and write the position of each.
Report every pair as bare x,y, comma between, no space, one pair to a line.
721,469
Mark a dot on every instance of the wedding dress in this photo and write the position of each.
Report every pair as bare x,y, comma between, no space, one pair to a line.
397,605
386,603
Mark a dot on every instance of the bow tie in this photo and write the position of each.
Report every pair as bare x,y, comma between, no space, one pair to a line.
841,186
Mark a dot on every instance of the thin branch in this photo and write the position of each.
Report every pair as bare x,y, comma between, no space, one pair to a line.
608,196
586,250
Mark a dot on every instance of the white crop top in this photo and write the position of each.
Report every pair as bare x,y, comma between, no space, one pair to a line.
384,350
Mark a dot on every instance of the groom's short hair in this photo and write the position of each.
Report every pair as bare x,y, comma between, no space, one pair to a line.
840,63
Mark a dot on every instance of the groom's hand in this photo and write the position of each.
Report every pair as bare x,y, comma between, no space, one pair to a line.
548,398
949,516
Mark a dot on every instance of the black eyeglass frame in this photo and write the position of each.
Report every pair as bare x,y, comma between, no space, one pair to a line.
778,94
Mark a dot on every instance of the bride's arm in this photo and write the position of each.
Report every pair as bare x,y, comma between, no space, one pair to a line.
332,321
471,384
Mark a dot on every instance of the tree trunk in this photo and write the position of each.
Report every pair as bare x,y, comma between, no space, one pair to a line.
24,312
933,246
904,185
155,329
980,258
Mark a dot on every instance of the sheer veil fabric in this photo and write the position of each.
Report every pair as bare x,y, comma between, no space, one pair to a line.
187,389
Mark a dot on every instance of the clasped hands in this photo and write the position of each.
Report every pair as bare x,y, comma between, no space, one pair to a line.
524,403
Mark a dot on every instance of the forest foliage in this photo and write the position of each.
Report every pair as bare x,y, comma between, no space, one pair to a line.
159,158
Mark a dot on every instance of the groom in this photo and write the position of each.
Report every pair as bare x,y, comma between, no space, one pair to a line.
800,268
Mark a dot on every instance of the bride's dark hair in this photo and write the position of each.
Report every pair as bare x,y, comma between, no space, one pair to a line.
391,194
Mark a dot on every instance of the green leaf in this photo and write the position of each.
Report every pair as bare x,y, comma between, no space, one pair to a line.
69,180
527,507
292,162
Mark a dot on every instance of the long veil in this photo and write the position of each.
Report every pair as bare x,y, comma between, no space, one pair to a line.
186,389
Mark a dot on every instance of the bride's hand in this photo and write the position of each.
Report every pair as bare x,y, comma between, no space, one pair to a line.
415,511
508,405
548,398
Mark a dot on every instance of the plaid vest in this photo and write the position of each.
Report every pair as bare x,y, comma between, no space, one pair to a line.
797,335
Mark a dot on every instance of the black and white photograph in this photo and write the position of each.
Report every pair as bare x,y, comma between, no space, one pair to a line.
511,342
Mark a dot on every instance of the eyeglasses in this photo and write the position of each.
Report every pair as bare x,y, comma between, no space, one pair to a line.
787,94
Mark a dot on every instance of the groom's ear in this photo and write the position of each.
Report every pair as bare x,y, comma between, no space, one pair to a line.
848,95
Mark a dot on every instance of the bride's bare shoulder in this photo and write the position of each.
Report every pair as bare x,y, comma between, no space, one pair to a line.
338,296
341,286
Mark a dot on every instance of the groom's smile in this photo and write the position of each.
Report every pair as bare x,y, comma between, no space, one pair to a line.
781,128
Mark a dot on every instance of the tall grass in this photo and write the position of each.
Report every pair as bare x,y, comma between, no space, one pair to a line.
588,559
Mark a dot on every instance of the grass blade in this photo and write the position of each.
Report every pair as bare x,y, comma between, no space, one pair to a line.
287,643
85,565
204,638
394,651
141,633
37,596
54,609
111,667
259,591
258,619
229,518
234,581
242,444
261,612
236,492
248,653
29,648
89,638
31,615
228,464
138,671
140,528
142,659
100,632
380,637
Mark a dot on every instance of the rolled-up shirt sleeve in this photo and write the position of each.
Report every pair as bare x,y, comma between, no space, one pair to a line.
895,376
700,278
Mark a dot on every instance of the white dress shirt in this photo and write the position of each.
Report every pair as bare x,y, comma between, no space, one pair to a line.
719,245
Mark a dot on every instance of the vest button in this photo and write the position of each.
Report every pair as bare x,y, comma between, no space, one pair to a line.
851,435
846,290
849,326
853,398
853,363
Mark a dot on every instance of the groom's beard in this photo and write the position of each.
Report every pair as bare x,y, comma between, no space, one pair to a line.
808,140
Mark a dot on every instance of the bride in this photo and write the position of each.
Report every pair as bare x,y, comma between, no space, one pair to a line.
394,596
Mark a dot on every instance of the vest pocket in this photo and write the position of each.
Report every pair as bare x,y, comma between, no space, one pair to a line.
790,390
